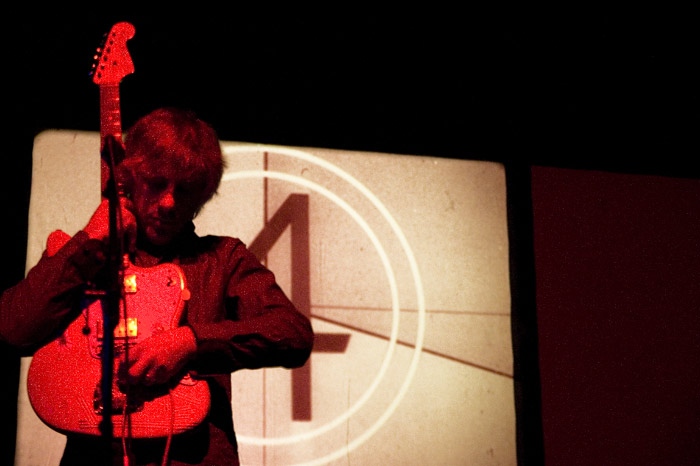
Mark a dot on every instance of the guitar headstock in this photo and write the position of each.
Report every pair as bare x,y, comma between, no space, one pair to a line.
113,62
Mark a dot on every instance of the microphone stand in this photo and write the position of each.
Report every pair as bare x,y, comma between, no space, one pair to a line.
110,308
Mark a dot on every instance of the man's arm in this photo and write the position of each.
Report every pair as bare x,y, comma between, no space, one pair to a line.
262,327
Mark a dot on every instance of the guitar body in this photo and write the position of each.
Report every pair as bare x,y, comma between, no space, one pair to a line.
64,376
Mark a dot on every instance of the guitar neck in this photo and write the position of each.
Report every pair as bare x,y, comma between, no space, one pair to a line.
110,113
110,125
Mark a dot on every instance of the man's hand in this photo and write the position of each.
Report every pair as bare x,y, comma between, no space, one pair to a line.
159,358
98,226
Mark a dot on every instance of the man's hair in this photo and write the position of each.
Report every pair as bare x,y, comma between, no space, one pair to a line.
177,144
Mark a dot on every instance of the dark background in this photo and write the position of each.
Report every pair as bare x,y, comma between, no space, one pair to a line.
603,104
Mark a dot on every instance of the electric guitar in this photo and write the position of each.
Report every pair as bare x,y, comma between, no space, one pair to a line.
64,378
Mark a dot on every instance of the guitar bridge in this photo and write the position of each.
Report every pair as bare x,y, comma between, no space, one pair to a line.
120,401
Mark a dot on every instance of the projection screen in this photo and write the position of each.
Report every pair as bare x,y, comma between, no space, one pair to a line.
401,263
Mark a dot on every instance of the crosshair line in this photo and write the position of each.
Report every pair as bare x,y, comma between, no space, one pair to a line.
427,311
410,345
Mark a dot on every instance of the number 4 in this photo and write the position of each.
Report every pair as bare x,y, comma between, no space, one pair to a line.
295,212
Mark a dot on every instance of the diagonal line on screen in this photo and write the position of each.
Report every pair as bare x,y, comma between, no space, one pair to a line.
409,345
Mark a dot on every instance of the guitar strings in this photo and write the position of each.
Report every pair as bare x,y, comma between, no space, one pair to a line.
126,433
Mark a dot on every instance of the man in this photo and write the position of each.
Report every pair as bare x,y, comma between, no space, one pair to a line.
237,316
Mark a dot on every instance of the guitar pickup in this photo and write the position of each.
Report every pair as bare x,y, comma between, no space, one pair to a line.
125,335
130,285
127,328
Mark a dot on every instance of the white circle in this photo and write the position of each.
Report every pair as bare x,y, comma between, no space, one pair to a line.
394,298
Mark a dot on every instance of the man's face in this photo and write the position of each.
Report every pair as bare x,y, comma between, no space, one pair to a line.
163,205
